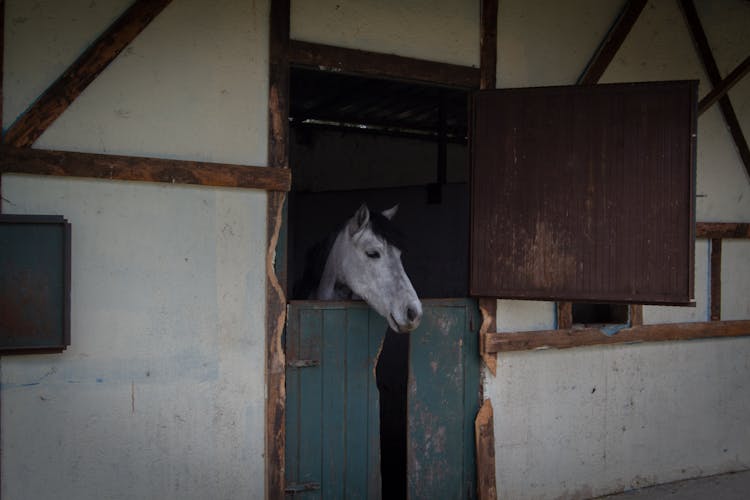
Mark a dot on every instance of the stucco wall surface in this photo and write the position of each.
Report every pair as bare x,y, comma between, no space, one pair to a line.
162,392
436,30
589,421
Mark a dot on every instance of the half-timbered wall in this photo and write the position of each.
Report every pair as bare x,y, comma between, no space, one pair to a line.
161,393
583,422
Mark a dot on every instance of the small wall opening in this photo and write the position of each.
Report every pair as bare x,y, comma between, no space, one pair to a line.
600,314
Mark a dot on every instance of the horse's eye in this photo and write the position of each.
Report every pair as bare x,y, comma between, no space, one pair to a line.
373,254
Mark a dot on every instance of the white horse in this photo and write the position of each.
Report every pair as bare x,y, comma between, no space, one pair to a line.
365,262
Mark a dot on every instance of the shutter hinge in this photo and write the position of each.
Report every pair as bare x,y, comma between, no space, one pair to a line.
301,488
302,363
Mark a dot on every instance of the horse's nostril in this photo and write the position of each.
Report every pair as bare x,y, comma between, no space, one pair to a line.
411,314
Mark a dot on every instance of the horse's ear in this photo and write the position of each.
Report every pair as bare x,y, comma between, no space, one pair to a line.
360,220
388,214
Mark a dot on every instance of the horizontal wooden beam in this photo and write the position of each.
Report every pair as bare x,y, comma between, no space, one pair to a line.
579,337
726,84
718,230
56,99
132,168
327,57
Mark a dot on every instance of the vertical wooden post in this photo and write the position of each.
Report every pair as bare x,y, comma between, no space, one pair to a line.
484,434
488,308
487,80
488,44
636,315
278,157
716,279
564,315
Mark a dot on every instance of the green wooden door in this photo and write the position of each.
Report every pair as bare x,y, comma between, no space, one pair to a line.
333,424
443,401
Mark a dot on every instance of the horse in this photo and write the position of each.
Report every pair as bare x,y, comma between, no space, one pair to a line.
363,261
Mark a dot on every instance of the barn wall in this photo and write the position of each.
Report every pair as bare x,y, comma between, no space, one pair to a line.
437,30
161,394
589,421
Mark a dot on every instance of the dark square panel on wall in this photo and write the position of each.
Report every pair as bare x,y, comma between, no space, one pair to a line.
34,283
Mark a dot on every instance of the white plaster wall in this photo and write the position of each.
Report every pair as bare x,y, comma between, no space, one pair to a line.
589,421
436,30
546,42
192,85
161,394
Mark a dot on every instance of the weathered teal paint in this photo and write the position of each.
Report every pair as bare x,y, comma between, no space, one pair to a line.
332,432
443,401
333,424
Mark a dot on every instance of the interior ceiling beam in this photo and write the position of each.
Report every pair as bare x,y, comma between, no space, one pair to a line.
56,99
726,84
709,64
381,65
612,42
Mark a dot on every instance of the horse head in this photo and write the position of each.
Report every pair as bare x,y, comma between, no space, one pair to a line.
366,258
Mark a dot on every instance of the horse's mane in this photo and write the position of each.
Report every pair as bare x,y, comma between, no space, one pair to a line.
382,226
317,255
315,261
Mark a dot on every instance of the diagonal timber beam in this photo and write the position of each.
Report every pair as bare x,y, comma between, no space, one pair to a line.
709,64
612,42
726,84
56,99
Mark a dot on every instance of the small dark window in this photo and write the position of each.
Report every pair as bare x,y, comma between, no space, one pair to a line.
600,314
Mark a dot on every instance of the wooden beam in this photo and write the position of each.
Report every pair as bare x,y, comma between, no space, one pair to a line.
488,308
709,64
564,315
2,129
278,159
715,299
2,62
330,58
488,45
484,437
131,168
636,314
275,357
612,42
56,99
565,339
717,230
724,86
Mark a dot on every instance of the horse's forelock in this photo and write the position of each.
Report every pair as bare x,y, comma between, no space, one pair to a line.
384,228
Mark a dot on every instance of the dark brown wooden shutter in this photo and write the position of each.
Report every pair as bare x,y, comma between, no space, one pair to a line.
584,193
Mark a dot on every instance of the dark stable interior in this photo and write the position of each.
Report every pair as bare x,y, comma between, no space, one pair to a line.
341,125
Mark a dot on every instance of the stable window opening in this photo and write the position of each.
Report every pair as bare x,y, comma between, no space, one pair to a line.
357,140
